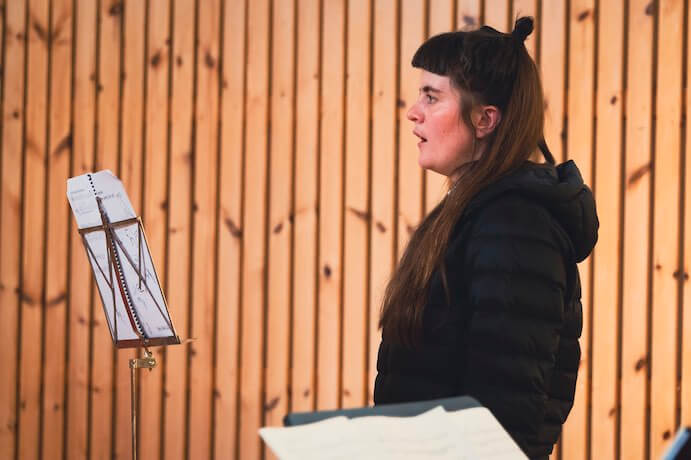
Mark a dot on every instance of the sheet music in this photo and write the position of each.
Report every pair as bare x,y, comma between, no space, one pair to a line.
80,193
484,434
436,434
145,297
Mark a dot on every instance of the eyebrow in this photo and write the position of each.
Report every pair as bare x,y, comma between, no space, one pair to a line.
429,89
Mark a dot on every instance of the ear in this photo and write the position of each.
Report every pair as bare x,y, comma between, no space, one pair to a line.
485,119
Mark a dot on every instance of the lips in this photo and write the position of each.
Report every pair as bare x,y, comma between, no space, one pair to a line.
422,138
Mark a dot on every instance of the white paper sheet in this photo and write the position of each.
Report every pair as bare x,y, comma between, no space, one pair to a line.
146,298
436,434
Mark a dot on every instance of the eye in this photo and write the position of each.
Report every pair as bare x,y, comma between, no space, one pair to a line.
430,99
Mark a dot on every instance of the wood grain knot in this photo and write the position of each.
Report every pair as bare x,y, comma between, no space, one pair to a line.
232,228
115,9
156,59
469,20
638,174
271,405
641,363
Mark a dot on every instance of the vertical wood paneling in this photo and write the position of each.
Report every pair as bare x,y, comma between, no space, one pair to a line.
440,20
553,70
288,141
635,358
382,230
179,227
80,274
356,222
575,437
304,266
156,203
497,14
59,153
330,205
107,131
606,270
410,175
229,230
10,217
131,116
663,380
254,226
685,326
280,178
33,226
204,228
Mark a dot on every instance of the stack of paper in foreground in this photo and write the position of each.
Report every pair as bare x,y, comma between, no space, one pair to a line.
436,434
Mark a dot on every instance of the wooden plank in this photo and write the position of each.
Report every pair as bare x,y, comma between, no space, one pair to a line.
108,101
579,148
132,76
685,390
526,8
58,213
230,231
604,417
356,222
276,399
155,207
254,239
330,205
382,225
663,379
33,230
10,217
497,15
440,20
254,224
305,229
634,321
204,234
553,64
80,273
179,230
410,175
467,14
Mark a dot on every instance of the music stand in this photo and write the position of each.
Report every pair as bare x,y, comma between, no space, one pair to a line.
133,302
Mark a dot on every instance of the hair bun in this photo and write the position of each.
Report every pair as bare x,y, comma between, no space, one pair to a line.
523,28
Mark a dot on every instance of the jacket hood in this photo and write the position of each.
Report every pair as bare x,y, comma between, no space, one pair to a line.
561,190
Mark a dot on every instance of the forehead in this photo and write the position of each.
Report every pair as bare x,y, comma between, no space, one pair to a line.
441,83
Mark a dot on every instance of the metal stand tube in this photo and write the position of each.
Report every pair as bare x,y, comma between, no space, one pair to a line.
147,362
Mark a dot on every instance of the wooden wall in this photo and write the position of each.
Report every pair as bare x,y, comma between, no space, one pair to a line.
266,147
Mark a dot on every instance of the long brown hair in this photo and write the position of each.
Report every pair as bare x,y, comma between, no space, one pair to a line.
487,67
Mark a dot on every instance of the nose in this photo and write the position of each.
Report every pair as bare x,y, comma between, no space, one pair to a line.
414,113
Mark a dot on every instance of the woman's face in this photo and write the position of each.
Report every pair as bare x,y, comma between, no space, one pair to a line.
446,142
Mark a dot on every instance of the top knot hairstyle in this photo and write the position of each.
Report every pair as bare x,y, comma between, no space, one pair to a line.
522,28
487,67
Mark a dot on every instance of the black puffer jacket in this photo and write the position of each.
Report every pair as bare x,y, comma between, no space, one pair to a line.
510,334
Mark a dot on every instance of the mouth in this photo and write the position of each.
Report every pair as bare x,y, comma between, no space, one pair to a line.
423,139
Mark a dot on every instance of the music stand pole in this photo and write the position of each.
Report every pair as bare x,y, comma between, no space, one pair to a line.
147,362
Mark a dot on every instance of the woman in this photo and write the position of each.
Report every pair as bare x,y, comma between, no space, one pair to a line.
486,298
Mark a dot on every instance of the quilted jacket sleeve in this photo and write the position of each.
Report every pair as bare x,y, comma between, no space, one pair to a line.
514,267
